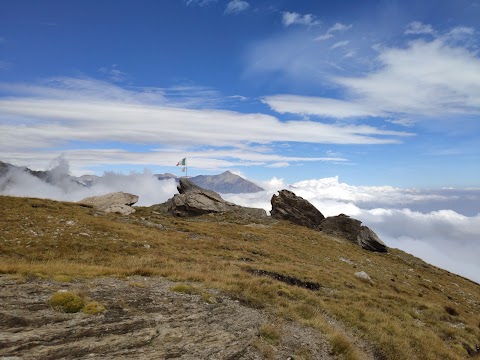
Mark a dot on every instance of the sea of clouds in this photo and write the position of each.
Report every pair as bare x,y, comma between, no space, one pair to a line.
440,226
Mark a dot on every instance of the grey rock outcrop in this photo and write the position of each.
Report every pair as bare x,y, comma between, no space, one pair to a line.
193,200
353,230
117,202
288,206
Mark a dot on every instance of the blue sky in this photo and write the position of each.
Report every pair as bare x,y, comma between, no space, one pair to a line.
375,92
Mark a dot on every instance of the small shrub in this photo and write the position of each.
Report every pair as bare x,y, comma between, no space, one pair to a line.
66,301
93,308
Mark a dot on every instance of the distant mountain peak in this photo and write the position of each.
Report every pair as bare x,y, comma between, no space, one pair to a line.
226,182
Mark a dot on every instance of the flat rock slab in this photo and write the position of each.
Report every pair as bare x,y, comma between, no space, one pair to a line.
144,320
116,202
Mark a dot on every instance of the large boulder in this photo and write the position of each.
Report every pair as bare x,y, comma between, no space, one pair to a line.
116,202
288,206
352,230
193,200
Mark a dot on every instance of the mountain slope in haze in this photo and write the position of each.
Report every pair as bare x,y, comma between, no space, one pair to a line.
226,183
57,176
404,309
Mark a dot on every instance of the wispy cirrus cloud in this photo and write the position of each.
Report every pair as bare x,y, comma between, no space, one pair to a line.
236,6
340,44
337,27
114,73
293,18
312,105
439,77
200,3
5,65
417,27
59,114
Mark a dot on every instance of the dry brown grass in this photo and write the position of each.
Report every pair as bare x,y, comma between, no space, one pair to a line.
403,315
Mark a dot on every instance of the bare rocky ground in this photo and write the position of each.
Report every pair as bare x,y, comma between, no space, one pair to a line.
144,319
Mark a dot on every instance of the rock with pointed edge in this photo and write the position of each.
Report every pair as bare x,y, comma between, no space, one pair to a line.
288,206
193,200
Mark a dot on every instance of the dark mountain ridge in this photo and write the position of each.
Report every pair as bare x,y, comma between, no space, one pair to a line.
225,183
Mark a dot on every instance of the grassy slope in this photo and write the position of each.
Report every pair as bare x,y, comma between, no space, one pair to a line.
411,311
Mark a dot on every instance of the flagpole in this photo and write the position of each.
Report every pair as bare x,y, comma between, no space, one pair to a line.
186,167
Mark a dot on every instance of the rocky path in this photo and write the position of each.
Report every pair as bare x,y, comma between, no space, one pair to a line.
144,319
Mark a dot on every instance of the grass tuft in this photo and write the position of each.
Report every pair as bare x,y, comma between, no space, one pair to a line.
93,308
66,301
270,333
186,289
62,278
343,347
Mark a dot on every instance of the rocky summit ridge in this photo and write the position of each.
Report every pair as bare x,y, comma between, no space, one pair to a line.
192,200
288,206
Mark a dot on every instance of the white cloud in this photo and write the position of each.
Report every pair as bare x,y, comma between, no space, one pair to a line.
236,6
403,122
200,2
212,159
239,97
145,185
337,27
324,37
340,44
416,27
293,18
279,164
53,122
460,32
426,78
38,119
114,73
434,78
312,105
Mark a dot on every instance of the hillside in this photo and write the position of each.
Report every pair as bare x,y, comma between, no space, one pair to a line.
292,289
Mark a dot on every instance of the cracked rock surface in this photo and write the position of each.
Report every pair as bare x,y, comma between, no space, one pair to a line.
144,319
